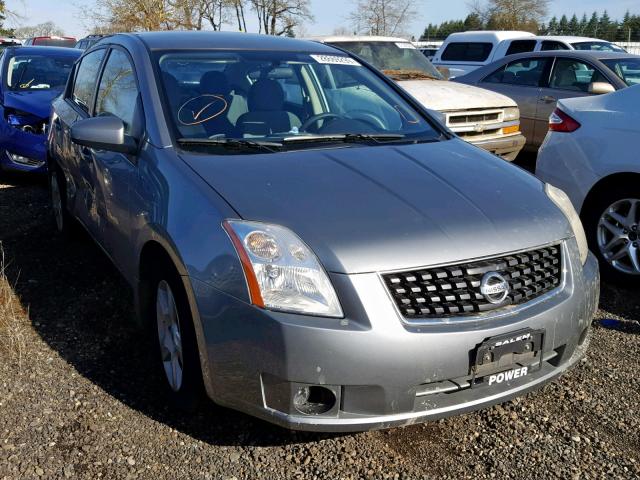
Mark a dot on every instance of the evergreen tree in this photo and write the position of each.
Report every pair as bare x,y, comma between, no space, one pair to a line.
563,25
574,25
473,22
582,27
592,26
552,29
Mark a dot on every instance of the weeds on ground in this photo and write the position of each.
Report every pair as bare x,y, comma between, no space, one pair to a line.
13,330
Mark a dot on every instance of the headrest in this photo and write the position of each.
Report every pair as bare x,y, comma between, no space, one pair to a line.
214,83
266,96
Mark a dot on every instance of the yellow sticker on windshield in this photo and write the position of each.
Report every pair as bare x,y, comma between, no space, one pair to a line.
335,60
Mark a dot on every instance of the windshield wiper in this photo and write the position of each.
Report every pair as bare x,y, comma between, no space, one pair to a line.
345,137
237,143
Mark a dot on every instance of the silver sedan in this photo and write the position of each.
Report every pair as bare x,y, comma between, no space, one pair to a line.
305,242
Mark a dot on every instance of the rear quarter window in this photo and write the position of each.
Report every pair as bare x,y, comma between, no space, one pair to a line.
467,51
521,46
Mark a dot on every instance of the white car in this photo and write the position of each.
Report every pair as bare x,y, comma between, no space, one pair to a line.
484,118
591,152
464,52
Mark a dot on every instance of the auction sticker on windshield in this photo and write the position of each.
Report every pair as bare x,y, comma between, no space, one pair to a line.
335,60
405,45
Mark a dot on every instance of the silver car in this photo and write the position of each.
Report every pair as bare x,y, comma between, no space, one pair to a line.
590,153
305,242
536,81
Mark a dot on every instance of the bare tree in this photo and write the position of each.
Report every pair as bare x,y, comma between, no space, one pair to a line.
132,15
383,17
45,29
511,14
280,17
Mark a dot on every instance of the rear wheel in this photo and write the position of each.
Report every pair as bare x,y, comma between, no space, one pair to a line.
176,345
612,222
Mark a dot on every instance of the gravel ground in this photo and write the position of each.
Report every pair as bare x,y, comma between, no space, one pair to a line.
79,400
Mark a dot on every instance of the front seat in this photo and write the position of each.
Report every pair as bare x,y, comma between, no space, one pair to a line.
566,79
266,113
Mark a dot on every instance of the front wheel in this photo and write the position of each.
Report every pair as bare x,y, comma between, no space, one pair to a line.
612,223
177,348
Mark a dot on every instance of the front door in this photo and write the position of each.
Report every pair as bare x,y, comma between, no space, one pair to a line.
117,96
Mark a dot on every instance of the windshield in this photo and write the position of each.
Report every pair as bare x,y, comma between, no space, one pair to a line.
628,69
282,98
598,46
400,60
38,72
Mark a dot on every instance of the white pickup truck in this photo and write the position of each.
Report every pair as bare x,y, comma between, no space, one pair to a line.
464,52
481,117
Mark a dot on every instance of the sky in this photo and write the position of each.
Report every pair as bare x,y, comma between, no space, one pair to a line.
66,13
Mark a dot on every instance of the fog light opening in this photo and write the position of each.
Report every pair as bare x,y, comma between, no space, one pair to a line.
313,400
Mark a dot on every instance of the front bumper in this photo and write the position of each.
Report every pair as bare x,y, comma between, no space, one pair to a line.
384,372
506,147
31,146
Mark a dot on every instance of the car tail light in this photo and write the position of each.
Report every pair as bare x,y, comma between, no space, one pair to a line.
561,122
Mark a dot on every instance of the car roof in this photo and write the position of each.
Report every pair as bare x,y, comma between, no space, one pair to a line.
197,40
481,35
570,38
40,50
356,38
579,54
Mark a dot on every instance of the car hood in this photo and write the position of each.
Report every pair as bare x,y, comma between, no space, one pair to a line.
35,102
446,96
364,209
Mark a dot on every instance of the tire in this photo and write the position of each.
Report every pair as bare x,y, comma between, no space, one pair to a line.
63,222
610,237
175,344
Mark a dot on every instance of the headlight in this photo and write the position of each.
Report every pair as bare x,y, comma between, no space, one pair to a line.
510,114
282,272
563,202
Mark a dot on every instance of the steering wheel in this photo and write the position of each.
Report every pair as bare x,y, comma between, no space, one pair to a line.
367,117
316,118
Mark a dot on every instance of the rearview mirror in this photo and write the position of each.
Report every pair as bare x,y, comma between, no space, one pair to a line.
103,133
599,88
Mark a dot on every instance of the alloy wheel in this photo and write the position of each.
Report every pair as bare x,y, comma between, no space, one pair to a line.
169,335
618,235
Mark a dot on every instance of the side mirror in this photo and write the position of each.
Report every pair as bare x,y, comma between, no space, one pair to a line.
600,88
445,72
103,133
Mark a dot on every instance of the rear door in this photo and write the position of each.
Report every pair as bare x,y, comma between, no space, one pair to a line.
520,80
76,160
569,78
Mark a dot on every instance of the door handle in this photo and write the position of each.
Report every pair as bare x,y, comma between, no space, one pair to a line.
548,99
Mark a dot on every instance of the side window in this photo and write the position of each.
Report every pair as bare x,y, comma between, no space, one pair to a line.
574,75
467,52
521,46
118,91
552,45
86,78
526,73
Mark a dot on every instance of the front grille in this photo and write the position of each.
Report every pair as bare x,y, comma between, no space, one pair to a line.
455,289
474,118
479,134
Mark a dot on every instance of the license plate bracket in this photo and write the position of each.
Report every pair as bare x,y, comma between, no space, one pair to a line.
503,352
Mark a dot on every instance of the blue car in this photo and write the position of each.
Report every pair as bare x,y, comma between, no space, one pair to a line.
31,78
